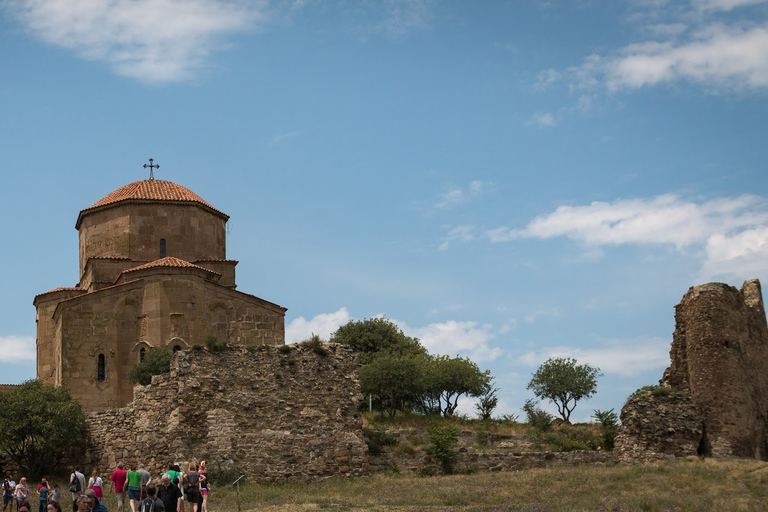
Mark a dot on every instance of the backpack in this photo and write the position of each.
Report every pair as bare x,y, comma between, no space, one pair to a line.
75,485
148,505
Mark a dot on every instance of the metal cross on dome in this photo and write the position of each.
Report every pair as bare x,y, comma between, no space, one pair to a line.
151,168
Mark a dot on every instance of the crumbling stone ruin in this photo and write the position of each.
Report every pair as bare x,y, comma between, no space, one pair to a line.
717,378
274,413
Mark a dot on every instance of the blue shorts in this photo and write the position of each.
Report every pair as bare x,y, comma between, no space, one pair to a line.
134,493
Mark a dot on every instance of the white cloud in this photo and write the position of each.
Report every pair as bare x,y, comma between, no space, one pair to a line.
732,232
718,56
153,41
17,349
743,254
323,325
452,338
624,357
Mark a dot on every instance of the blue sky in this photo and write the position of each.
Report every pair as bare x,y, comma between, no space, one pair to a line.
507,181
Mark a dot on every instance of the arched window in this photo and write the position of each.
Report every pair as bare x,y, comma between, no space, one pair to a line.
162,248
142,353
176,348
101,372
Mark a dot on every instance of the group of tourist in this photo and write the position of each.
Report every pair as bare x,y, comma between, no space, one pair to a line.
145,494
48,497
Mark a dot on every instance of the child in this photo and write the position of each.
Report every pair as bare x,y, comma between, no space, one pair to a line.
55,493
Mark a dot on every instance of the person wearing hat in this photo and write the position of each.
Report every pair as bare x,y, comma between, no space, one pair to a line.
94,505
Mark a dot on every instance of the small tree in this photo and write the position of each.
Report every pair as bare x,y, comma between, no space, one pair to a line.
157,361
394,379
446,379
39,423
564,382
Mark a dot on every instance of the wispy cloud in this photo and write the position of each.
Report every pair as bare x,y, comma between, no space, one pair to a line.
17,349
153,41
732,232
624,357
543,120
402,16
458,233
323,325
283,136
457,196
724,5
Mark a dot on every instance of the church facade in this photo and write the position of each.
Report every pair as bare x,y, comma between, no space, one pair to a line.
153,272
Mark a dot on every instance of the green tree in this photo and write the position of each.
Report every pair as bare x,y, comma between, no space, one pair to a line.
393,379
564,382
38,425
157,361
373,335
446,379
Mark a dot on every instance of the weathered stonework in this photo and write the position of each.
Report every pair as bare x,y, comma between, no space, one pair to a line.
658,427
273,414
719,357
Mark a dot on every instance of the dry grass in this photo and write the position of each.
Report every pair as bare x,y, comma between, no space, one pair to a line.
695,485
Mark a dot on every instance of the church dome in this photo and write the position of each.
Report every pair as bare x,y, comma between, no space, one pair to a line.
149,191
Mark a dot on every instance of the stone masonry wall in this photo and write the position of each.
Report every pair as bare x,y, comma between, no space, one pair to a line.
288,413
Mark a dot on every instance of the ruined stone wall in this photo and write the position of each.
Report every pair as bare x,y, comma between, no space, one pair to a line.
289,413
719,357
659,426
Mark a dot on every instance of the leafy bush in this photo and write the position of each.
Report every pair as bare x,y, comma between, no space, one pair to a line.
284,349
442,442
568,437
157,361
316,344
609,420
538,418
212,344
487,403
376,439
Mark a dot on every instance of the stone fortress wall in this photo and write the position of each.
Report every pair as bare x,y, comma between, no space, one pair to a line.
717,403
274,413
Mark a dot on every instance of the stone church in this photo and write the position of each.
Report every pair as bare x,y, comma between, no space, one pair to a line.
153,272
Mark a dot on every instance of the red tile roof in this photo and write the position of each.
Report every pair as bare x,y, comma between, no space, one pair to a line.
170,261
150,190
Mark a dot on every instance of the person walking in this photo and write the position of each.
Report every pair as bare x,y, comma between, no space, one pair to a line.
169,494
118,478
133,478
76,483
95,483
8,487
145,478
22,492
192,486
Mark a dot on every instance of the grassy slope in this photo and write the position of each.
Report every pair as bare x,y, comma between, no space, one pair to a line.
696,485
